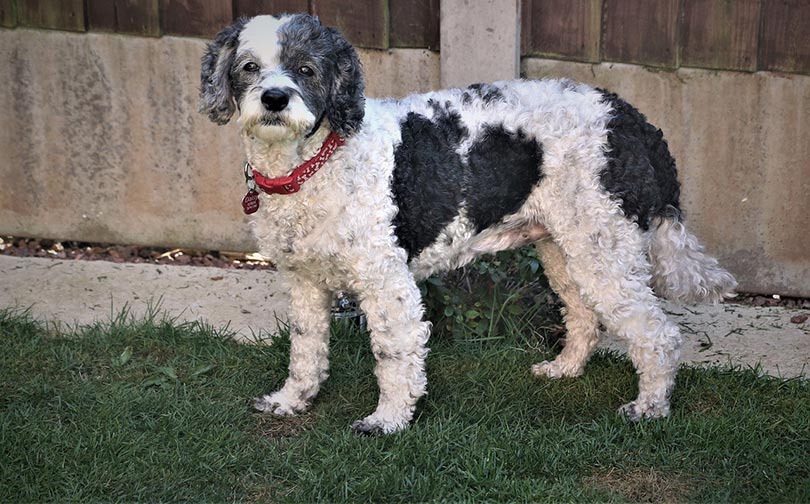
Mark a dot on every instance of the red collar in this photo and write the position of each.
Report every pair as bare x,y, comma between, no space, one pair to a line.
291,183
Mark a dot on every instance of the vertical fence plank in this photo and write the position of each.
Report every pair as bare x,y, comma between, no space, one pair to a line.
201,18
101,15
720,34
784,43
640,31
526,27
363,22
562,28
250,8
8,14
52,14
415,23
138,17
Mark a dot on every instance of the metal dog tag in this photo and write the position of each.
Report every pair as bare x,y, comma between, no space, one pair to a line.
250,203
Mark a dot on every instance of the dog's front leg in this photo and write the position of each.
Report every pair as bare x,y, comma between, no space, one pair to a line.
309,350
393,308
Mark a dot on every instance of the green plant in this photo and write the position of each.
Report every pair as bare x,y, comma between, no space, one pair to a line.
494,295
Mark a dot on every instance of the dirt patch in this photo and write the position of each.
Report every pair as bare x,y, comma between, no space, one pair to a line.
279,428
771,300
643,484
30,247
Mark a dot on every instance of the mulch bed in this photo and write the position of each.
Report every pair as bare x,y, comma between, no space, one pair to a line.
30,247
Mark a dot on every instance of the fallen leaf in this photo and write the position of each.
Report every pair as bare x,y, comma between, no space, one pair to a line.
202,369
168,371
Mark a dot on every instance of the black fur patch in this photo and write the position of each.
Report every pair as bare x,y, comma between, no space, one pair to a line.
503,167
241,80
449,122
216,98
431,179
335,90
640,171
428,180
486,92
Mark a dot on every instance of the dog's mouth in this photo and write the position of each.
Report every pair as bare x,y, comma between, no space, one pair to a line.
272,126
272,120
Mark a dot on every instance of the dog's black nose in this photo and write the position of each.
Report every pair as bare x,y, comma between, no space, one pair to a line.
275,100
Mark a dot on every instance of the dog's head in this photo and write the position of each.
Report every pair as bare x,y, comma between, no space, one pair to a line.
284,76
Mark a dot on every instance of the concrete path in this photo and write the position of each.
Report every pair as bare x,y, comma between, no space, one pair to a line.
740,335
82,292
249,302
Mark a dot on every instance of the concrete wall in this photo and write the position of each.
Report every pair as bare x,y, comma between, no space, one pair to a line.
492,27
101,141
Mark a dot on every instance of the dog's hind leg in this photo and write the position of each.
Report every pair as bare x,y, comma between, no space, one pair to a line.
393,308
581,323
610,266
606,257
309,350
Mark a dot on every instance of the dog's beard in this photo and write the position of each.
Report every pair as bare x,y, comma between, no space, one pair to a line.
275,128
293,123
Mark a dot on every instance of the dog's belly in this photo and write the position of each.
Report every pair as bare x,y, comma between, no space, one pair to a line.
458,244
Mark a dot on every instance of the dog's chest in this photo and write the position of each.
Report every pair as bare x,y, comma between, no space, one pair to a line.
282,229
306,235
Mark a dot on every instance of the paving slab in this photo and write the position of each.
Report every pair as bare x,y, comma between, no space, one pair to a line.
252,303
740,335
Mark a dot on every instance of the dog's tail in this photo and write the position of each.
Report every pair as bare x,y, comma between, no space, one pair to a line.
681,270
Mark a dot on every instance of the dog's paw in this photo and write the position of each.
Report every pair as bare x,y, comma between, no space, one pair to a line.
275,404
555,369
638,410
372,425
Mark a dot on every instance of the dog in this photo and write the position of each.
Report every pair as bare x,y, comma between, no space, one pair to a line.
369,196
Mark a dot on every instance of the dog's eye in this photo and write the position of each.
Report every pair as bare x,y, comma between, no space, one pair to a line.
306,71
250,67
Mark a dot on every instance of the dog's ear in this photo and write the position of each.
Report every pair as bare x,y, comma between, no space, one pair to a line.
216,97
347,105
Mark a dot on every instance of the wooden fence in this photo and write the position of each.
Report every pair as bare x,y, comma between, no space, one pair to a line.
367,23
744,35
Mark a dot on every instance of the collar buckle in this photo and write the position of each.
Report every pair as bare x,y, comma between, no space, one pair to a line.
250,182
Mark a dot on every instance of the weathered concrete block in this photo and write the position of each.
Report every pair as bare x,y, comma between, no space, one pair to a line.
103,142
249,303
742,143
480,41
399,72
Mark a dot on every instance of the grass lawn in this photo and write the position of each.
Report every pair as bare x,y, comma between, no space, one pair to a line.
156,411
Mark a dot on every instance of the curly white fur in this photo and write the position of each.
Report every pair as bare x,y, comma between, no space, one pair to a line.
682,271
